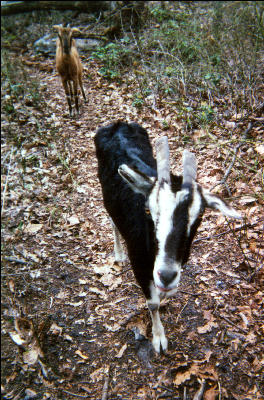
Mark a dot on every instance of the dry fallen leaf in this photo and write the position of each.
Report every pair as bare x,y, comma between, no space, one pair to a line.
121,351
73,220
31,356
207,327
11,285
17,338
99,374
77,304
55,329
111,281
83,356
181,377
211,394
33,228
63,294
260,149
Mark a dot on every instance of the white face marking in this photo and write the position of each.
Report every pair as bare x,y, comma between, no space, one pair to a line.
162,203
195,208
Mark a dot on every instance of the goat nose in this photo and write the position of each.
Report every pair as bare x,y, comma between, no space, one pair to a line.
166,276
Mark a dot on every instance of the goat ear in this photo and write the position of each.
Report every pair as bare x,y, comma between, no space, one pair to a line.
75,30
216,203
56,27
138,181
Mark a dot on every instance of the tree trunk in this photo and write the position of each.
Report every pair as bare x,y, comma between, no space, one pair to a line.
8,8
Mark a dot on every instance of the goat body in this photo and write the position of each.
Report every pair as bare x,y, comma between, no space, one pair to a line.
156,212
68,65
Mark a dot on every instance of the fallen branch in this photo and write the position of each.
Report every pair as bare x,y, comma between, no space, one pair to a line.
10,8
239,228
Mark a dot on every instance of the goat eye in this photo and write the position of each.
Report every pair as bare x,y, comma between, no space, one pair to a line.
147,210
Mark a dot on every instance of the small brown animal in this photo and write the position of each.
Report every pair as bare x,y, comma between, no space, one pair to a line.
68,64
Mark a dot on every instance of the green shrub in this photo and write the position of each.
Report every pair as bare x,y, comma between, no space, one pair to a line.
114,56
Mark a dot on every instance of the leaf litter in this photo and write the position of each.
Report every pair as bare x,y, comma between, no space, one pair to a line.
71,318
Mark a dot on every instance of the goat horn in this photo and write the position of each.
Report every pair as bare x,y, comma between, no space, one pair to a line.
163,159
189,167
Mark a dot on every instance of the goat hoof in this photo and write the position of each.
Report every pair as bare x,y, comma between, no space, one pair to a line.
120,260
160,343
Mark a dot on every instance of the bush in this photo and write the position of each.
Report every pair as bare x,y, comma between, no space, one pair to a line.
195,52
114,56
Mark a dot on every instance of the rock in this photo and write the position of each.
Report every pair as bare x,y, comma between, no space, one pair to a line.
47,45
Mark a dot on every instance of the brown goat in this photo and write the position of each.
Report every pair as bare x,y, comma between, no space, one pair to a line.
68,64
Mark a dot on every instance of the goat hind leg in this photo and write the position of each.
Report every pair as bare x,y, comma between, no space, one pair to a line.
81,86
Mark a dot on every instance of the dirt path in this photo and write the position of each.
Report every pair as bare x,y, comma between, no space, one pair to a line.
87,311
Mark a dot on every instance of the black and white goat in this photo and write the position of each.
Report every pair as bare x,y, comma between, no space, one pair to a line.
156,212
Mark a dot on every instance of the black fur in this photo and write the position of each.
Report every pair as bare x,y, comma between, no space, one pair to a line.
122,143
117,144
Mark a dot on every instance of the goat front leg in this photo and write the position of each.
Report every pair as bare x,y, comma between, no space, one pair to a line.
120,255
159,340
68,96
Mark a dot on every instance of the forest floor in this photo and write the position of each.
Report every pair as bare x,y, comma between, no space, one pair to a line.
70,315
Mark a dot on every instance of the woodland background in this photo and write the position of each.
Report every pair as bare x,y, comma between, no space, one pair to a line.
75,324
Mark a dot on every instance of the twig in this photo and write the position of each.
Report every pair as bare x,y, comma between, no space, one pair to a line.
228,171
236,335
238,240
165,395
167,389
190,293
6,182
233,324
129,317
178,316
75,394
106,384
199,395
220,390
225,232
16,260
259,108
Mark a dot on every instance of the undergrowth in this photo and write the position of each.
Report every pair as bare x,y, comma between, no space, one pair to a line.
202,53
